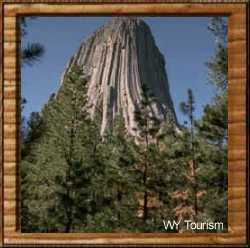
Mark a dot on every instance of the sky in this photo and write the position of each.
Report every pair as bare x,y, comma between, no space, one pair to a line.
185,42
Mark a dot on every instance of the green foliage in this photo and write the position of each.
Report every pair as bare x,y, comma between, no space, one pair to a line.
32,52
212,129
217,65
63,161
188,107
71,176
213,125
73,179
32,132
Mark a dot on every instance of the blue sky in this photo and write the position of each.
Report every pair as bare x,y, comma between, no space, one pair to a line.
185,42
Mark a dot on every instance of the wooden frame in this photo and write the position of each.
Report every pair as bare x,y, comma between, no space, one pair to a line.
237,126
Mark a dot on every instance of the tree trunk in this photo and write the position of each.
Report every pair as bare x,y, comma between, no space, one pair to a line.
145,197
194,166
119,200
145,206
68,225
145,175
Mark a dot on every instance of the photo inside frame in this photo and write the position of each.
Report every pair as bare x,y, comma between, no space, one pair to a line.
124,124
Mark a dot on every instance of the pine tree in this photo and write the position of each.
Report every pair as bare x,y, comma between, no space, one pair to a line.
177,168
32,132
217,65
147,129
118,180
75,180
63,165
74,95
188,109
212,129
32,52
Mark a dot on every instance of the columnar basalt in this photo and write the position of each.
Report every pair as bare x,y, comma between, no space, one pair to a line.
117,59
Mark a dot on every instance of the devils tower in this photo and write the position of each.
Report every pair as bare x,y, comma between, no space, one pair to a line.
117,59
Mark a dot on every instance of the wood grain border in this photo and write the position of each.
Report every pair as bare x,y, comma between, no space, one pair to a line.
237,107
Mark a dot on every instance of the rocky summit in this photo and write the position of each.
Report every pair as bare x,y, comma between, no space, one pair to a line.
117,59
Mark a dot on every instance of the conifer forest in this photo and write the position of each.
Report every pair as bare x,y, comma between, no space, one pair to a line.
93,169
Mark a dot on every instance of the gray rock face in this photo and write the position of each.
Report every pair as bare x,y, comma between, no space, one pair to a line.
117,59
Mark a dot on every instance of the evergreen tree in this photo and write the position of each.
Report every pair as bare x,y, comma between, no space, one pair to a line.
63,165
75,180
32,52
212,129
217,65
32,132
188,109
71,105
118,180
181,197
147,129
